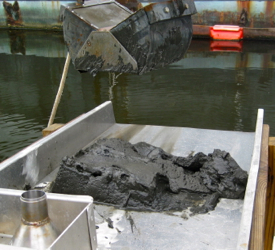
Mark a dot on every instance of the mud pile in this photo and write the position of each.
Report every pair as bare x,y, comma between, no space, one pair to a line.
143,177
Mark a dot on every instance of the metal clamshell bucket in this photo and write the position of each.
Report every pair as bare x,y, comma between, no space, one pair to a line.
108,37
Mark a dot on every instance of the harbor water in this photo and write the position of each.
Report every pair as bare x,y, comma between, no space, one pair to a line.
211,87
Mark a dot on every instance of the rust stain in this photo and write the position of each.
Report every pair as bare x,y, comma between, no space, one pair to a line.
148,8
97,53
222,17
269,10
212,17
13,14
244,8
151,6
132,5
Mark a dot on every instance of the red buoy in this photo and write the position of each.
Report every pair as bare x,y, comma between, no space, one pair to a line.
226,32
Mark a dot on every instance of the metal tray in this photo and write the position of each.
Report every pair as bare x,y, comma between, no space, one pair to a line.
227,227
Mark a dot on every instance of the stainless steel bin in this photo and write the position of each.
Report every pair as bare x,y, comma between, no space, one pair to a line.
72,215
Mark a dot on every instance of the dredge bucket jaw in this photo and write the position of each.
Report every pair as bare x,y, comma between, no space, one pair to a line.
106,36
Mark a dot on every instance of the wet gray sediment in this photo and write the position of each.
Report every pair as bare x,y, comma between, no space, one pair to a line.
144,177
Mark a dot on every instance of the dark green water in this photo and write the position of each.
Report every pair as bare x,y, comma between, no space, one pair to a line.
213,90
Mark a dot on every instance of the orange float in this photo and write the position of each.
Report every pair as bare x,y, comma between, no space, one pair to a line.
226,32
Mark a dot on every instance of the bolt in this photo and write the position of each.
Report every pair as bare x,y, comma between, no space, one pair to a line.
166,9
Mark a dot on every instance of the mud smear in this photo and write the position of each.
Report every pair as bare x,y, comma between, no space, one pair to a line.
143,177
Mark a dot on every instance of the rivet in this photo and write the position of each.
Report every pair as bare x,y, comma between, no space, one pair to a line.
166,9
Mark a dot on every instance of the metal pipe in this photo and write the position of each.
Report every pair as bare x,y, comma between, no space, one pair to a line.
36,230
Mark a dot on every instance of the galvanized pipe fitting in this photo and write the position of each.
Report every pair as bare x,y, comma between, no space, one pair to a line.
36,230
34,208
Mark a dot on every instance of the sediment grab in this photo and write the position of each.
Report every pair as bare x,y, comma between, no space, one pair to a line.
144,177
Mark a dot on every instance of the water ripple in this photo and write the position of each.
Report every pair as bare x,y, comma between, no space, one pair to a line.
17,132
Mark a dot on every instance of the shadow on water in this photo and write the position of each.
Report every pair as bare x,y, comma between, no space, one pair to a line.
17,42
207,89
